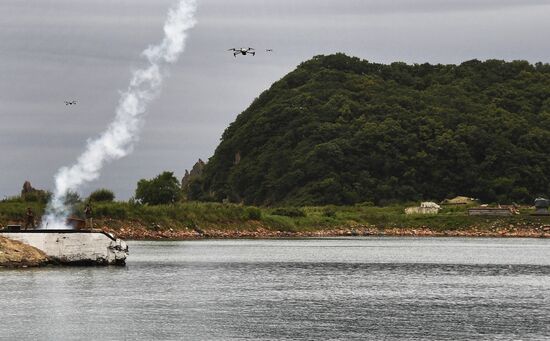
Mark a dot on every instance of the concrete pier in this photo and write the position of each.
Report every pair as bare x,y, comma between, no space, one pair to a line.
74,247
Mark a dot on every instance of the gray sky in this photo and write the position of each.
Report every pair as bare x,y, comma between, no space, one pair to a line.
56,50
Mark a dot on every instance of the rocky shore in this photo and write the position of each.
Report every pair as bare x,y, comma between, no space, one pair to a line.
142,233
14,254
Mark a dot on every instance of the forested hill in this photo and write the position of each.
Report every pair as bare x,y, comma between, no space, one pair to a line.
340,130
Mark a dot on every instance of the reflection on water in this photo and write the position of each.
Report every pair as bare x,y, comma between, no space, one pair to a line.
360,288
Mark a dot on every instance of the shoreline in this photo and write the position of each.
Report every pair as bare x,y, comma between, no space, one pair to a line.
197,220
14,254
262,233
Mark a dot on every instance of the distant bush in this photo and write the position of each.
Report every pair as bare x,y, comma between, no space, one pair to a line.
280,223
111,210
254,213
133,202
329,212
13,199
15,211
365,203
102,194
289,212
71,198
37,196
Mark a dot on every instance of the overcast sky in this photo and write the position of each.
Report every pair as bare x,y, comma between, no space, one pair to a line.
56,50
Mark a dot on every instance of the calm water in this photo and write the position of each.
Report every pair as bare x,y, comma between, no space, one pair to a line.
316,289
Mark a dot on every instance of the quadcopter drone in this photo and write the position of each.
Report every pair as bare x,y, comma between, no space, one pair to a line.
242,50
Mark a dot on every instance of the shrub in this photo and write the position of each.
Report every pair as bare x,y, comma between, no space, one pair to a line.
13,199
329,212
102,194
71,198
254,213
280,223
289,212
114,211
37,196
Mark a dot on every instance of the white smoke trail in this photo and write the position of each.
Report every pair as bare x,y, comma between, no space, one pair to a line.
118,139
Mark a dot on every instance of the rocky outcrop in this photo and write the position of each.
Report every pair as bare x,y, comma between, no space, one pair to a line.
195,173
27,188
14,254
30,193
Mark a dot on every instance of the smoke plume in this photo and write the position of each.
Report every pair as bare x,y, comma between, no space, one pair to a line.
118,139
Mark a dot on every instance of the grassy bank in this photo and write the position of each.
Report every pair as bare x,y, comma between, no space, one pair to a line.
199,217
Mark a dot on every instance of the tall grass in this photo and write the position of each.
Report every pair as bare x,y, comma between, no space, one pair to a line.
15,211
218,215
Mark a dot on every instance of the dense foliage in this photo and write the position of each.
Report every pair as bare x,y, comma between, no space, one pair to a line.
163,189
71,198
102,194
37,196
342,130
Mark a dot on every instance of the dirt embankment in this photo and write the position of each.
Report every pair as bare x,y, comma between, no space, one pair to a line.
14,254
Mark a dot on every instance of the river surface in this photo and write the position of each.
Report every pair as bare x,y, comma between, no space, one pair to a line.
314,289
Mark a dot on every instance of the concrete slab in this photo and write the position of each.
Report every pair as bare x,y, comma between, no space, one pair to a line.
75,246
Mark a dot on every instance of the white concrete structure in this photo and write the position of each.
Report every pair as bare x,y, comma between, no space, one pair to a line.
430,204
74,246
426,207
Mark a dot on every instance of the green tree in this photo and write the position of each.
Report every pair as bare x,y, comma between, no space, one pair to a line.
102,194
163,189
